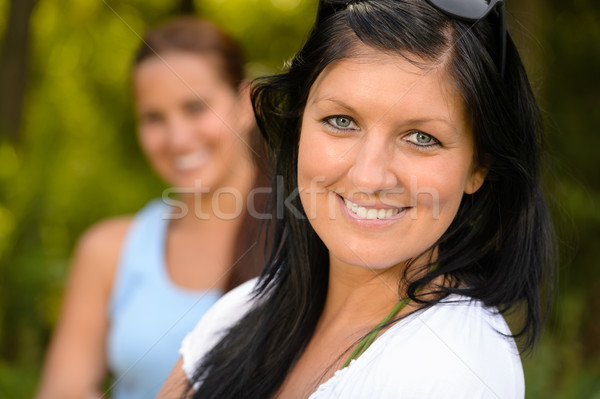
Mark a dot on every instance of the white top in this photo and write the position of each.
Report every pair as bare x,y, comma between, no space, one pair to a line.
451,350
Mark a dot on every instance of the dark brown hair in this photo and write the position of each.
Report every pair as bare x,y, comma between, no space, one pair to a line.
196,36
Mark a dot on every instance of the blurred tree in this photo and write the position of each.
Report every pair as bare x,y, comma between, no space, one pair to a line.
566,44
14,67
78,160
186,7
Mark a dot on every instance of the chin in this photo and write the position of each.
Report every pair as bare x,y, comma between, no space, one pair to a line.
370,259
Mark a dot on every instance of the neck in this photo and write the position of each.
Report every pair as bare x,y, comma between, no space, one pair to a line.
364,296
359,295
213,208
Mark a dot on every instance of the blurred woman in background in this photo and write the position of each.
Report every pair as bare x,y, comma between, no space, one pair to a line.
139,283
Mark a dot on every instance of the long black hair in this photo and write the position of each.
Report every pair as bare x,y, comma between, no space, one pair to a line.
498,248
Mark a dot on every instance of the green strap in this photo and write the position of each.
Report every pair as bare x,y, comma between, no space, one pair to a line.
369,338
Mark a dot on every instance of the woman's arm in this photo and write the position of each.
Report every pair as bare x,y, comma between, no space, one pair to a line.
175,384
75,364
207,333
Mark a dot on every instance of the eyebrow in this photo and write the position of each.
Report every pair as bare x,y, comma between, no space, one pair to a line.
407,122
333,100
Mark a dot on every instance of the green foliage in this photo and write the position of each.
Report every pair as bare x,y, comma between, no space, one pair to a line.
78,161
567,362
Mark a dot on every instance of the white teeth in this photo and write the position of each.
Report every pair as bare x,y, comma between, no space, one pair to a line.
362,212
191,161
370,213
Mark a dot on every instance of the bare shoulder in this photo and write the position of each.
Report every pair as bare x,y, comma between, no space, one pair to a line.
104,238
98,249
76,364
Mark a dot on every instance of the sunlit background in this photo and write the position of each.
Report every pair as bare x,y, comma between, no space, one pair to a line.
69,157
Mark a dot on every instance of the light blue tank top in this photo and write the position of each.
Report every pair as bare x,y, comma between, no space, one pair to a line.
149,315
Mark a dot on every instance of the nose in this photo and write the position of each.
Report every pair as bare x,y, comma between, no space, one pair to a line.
372,170
179,133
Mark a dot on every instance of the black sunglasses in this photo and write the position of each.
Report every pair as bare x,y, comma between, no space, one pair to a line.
465,10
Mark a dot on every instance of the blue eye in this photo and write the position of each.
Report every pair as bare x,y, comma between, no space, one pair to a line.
340,123
422,139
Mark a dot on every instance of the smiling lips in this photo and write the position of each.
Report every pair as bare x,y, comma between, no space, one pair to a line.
371,213
191,161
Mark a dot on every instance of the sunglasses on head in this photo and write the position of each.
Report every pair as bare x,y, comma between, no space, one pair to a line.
473,11
465,10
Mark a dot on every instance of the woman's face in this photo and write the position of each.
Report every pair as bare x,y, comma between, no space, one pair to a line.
193,126
385,155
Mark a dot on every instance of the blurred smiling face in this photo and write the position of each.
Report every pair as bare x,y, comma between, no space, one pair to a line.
192,124
385,156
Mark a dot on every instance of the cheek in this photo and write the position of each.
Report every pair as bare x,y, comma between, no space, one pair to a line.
221,132
322,170
310,173
440,189
307,155
225,117
305,173
315,173
321,158
151,140
231,142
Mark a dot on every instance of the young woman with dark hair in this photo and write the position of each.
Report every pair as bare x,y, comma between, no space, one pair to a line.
140,283
408,142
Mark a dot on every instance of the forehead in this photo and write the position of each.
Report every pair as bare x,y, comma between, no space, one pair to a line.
179,67
176,74
390,80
